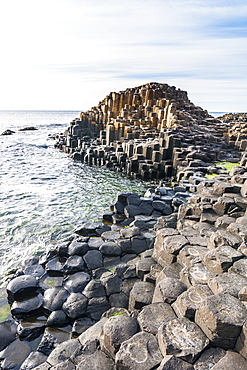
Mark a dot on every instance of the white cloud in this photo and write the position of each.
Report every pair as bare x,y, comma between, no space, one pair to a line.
68,54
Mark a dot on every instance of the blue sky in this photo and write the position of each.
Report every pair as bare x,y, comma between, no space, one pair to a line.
69,54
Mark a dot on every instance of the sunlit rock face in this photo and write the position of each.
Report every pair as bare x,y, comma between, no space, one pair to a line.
150,132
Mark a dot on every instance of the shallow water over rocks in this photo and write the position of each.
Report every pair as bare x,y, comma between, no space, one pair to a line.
44,194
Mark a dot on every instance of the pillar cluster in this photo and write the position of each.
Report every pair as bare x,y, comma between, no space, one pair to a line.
146,132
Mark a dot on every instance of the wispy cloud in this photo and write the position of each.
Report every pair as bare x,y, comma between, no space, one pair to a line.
71,53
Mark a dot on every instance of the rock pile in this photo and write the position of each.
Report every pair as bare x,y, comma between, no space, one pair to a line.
149,132
125,298
237,129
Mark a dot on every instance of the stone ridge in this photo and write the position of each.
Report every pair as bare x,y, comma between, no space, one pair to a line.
149,132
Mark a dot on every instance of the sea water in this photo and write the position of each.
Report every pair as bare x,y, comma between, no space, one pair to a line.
44,194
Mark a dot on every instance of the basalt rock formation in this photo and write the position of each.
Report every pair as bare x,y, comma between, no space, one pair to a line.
165,292
161,282
150,132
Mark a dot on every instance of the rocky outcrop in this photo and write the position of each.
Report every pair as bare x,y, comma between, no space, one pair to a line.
28,128
7,132
150,132
161,282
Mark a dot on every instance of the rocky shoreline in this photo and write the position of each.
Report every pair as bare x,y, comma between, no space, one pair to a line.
161,282
169,280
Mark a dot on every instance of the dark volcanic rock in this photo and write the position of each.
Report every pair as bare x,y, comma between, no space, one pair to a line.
73,264
79,248
75,306
167,290
33,360
152,316
221,317
76,282
171,362
13,356
57,318
92,362
29,128
54,298
93,259
21,286
8,333
7,132
97,306
27,306
140,295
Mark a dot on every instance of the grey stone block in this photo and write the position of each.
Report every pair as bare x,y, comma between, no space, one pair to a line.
221,258
14,354
221,317
92,362
167,290
110,249
224,237
196,274
171,362
191,254
8,333
111,282
93,259
96,307
189,301
94,289
76,282
143,266
153,315
209,358
240,267
229,282
182,338
140,351
140,295
115,331
63,351
54,298
241,345
231,360
75,306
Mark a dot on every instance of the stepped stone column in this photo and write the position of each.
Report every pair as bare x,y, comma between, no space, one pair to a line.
110,134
